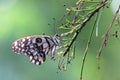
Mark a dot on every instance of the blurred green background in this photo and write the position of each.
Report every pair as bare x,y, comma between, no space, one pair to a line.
20,18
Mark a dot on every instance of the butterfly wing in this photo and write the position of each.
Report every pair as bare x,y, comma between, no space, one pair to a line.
32,47
20,46
35,47
37,58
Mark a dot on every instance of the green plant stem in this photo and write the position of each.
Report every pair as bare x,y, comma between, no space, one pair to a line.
87,47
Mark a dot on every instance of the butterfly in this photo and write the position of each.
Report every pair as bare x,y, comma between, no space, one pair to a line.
37,47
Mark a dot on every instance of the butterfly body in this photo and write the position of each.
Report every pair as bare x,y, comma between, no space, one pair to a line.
37,47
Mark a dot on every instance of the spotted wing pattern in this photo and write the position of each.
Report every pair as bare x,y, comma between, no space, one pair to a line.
36,47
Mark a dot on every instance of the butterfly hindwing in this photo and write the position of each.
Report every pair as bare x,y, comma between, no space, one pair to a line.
37,58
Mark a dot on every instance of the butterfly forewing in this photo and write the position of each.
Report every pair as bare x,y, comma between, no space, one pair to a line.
35,47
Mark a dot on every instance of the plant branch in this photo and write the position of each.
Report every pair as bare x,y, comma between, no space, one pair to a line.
105,39
90,15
